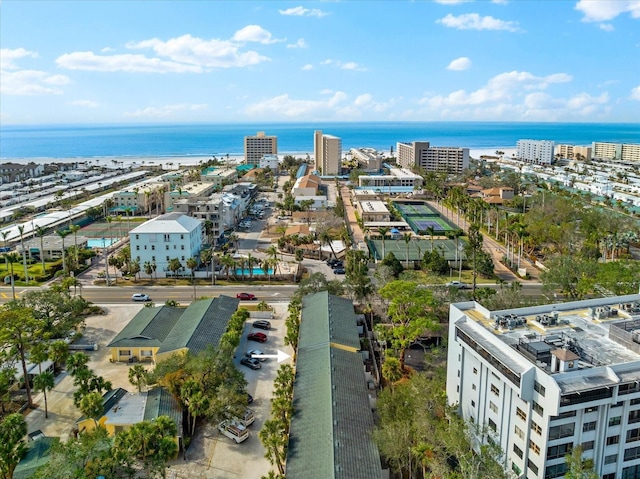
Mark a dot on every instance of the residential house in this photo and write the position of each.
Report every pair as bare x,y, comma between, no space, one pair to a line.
51,247
497,196
156,333
172,235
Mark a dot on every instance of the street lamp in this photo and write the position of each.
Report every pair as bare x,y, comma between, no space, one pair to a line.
106,260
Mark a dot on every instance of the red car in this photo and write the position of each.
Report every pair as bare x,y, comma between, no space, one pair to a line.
260,337
245,296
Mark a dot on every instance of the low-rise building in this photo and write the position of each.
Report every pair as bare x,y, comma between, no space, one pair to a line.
307,185
396,177
51,246
373,211
168,236
573,152
190,190
369,159
219,177
271,162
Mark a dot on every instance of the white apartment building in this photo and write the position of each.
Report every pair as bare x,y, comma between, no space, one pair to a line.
168,236
545,379
255,147
369,159
396,177
573,152
616,151
269,161
452,160
327,151
539,152
219,176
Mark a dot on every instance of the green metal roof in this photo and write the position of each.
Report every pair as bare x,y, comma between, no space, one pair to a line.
201,325
37,456
330,434
161,402
150,327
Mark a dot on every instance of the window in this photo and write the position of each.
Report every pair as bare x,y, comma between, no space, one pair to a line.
182,247
137,237
539,388
137,247
555,471
532,466
473,403
628,388
458,373
537,408
633,435
632,453
611,459
181,236
182,258
618,404
515,468
561,450
589,426
495,390
562,415
153,258
631,472
473,387
492,425
534,447
591,409
609,476
493,407
614,421
634,416
124,352
611,440
153,247
475,370
635,402
168,259
519,432
536,427
166,247
521,414
563,430
586,446
518,451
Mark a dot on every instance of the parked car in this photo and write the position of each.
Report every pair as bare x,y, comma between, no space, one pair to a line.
255,352
339,271
252,363
456,284
338,265
234,431
260,337
140,297
262,324
332,261
246,296
249,398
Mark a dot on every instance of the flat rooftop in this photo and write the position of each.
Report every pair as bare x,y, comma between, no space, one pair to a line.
601,332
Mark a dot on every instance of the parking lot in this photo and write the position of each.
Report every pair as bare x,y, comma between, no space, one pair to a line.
210,455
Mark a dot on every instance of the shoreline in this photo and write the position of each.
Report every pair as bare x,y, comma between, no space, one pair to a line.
234,158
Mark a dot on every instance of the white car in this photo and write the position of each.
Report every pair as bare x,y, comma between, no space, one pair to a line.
140,297
456,284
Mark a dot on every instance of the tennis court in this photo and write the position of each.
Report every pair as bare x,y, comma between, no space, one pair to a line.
111,232
421,218
416,248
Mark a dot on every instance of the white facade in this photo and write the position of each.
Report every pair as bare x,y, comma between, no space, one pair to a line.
449,159
539,152
269,161
168,236
547,378
396,177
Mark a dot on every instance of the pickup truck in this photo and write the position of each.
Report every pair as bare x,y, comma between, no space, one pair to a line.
235,431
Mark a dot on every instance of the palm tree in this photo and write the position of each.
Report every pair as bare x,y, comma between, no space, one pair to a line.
12,258
192,264
265,264
44,382
273,437
92,406
24,254
174,266
74,229
326,238
40,231
63,234
431,231
250,262
228,262
4,242
383,230
407,239
272,251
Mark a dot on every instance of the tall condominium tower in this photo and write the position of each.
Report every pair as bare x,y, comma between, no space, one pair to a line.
432,158
255,147
539,152
327,150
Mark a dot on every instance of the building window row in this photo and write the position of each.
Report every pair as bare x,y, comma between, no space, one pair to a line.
536,427
495,390
555,471
539,388
507,372
521,414
534,447
493,407
537,408
519,432
632,453
633,435
561,450
634,416
562,430
589,426
614,421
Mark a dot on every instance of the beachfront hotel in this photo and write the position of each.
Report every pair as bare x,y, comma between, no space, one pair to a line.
616,151
545,379
539,152
327,151
255,147
573,152
432,158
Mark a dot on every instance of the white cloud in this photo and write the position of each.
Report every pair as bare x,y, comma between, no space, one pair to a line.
362,100
452,2
500,2
107,50
163,111
459,64
307,67
31,82
85,103
89,61
473,21
303,12
605,10
635,93
299,44
254,33
351,66
607,27
8,57
328,61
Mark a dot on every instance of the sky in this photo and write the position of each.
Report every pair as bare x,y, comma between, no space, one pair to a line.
142,62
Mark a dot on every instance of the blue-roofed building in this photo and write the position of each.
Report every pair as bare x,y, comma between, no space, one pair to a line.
302,170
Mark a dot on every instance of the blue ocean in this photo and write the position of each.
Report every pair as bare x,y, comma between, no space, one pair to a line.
140,141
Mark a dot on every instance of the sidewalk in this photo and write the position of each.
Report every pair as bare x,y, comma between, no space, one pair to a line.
491,246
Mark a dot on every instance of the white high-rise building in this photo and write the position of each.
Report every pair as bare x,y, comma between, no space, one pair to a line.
327,150
539,152
545,379
255,147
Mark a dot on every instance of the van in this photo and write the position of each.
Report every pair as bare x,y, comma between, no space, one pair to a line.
237,432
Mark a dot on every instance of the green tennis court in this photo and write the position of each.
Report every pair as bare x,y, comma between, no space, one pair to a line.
416,248
117,229
422,219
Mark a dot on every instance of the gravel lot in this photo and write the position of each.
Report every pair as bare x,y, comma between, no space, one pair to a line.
209,455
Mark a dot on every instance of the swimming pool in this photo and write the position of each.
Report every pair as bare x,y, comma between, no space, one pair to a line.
256,271
100,242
